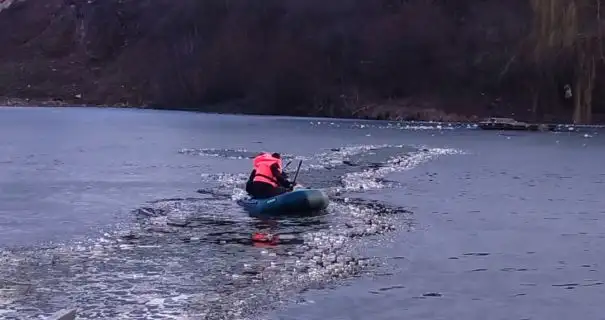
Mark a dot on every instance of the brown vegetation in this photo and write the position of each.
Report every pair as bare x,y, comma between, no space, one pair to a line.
385,58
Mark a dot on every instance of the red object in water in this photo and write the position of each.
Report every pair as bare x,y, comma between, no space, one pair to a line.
264,238
257,236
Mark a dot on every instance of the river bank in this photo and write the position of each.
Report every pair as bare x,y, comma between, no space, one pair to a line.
388,111
399,111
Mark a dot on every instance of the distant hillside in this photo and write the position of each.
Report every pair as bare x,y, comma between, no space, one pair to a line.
382,58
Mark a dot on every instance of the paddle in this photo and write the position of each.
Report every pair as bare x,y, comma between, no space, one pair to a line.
297,171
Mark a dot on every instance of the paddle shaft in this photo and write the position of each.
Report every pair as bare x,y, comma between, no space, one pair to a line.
297,171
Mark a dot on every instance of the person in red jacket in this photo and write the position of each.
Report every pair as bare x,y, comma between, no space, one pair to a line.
267,178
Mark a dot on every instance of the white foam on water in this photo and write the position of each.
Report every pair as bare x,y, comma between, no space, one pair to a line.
336,156
417,127
429,125
239,194
217,152
369,179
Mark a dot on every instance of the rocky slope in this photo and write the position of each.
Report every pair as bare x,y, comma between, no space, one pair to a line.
385,58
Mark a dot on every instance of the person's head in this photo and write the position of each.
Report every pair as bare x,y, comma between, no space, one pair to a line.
276,155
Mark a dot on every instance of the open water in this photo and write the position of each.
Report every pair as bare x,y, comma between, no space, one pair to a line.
132,214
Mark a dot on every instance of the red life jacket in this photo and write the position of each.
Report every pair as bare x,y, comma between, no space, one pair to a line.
262,165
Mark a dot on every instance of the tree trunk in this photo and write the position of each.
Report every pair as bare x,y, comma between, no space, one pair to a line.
535,104
584,85
562,30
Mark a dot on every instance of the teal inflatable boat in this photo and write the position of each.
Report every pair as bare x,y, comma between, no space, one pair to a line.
297,202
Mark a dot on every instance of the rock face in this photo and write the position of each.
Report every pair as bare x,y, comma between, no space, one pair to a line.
299,57
67,50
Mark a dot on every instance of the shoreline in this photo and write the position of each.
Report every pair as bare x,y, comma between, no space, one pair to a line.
374,113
